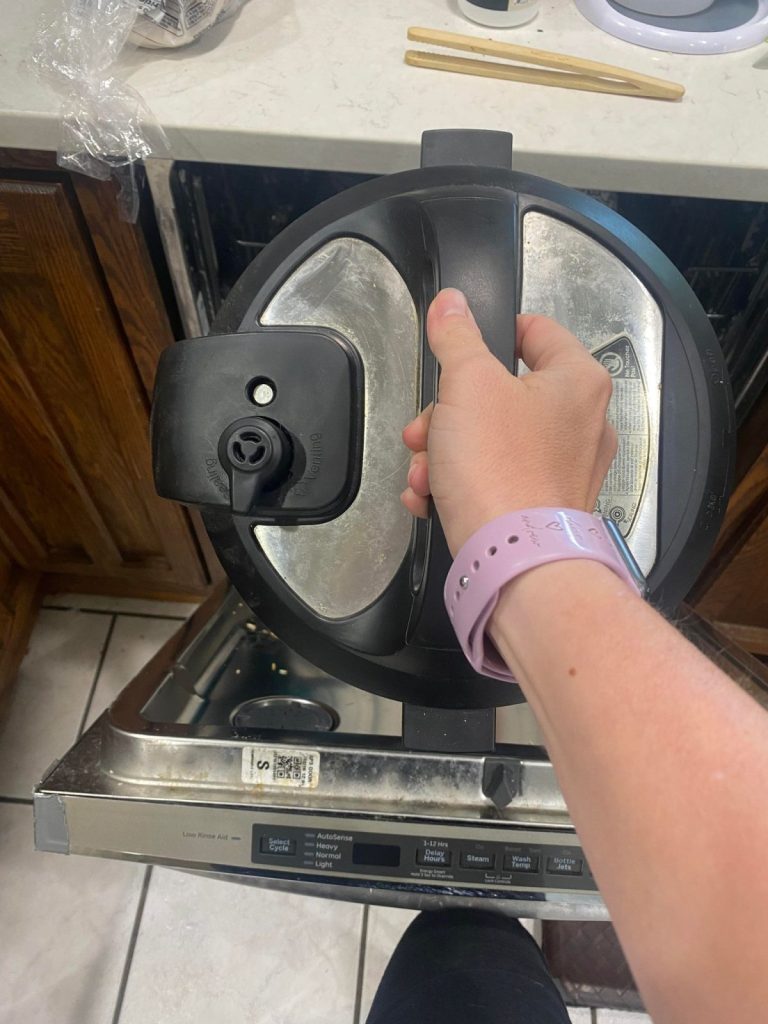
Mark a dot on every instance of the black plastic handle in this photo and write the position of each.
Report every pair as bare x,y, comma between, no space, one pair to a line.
466,147
475,239
474,246
476,236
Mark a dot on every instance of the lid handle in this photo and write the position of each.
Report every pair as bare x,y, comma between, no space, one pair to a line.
473,241
449,147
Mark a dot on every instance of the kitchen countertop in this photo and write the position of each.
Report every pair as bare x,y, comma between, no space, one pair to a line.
322,84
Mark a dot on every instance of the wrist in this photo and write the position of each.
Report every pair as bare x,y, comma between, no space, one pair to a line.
459,529
540,607
556,585
516,545
461,526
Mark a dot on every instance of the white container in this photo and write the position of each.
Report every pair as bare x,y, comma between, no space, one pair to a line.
499,13
668,8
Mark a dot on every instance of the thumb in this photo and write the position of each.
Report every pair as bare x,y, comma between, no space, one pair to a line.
451,329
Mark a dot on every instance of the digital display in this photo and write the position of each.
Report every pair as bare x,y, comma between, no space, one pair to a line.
376,855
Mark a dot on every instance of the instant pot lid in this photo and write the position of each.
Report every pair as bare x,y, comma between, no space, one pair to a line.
284,427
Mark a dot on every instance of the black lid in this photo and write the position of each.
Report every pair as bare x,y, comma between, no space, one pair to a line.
331,315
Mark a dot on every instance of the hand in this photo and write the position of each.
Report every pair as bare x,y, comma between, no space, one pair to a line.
495,443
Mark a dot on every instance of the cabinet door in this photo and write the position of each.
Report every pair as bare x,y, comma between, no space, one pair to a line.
19,598
733,590
76,492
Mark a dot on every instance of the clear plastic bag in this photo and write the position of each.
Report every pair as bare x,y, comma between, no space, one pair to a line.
106,125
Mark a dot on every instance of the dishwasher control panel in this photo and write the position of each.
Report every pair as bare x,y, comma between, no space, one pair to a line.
421,858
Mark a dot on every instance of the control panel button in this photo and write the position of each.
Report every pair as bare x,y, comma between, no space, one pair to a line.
278,846
484,861
565,864
432,856
521,862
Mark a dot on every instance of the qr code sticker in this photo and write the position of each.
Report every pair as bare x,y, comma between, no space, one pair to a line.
290,767
267,766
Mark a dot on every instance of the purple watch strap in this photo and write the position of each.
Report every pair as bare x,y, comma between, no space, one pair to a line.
507,547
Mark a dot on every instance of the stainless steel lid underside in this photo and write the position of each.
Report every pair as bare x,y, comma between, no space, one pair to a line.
341,567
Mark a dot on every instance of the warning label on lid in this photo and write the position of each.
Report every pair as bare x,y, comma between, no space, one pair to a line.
628,412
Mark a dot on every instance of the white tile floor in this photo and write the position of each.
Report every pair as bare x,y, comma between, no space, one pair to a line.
89,941
51,696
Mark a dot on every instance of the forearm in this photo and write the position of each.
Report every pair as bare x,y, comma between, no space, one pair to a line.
629,710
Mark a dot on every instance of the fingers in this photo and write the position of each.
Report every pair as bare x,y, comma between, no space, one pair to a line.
542,343
451,329
415,504
453,334
416,433
418,475
416,495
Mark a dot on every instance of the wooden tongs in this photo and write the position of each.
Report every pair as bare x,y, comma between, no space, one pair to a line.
570,72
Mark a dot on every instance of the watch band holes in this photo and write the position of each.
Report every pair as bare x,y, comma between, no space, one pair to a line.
475,565
512,539
492,551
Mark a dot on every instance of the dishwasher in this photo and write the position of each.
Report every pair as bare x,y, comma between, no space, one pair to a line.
315,727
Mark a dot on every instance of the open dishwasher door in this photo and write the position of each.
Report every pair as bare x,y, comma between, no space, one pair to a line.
229,754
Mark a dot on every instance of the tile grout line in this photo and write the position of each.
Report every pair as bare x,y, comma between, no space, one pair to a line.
361,966
88,700
132,945
96,675
106,611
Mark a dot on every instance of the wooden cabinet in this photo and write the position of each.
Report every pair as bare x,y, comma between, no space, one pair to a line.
19,598
733,589
82,323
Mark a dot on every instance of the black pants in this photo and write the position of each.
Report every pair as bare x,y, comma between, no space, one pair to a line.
467,967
